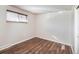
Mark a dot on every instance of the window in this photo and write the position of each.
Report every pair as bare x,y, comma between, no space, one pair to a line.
22,18
16,17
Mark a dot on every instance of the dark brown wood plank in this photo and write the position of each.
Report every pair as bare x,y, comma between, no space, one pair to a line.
37,46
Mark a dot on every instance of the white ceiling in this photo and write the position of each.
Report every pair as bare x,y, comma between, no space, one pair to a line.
37,9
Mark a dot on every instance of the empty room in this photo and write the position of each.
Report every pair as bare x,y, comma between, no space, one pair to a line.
36,29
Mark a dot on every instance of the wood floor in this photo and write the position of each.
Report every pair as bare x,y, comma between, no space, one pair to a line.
37,46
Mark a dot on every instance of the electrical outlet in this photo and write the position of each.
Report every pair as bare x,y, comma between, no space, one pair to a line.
54,36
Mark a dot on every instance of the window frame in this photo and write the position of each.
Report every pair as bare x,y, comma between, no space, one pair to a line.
17,16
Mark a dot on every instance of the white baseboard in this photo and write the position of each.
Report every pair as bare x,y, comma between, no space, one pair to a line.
11,44
51,39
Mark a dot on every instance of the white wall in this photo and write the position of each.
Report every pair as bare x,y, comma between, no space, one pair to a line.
59,25
77,30
12,33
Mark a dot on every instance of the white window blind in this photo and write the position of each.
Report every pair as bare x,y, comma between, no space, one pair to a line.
16,17
22,18
12,16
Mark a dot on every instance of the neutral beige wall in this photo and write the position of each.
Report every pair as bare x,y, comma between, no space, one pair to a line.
12,33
